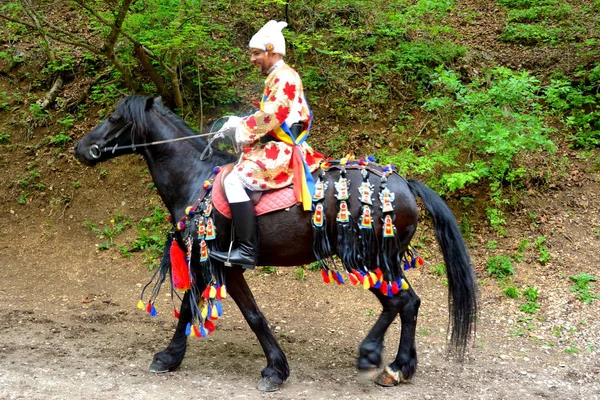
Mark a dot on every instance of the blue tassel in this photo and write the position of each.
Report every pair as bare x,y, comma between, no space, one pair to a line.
377,285
202,331
209,314
389,291
219,309
413,263
406,266
153,312
188,329
339,277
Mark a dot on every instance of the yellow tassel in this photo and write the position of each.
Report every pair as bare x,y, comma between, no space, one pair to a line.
330,274
214,312
141,305
212,293
373,276
404,285
223,290
366,283
204,312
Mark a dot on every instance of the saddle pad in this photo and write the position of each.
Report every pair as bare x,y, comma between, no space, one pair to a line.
270,201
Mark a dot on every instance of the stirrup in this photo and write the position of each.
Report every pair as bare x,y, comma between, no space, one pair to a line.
227,263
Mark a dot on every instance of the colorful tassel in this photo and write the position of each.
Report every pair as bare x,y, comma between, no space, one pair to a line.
188,329
353,279
141,305
153,312
219,309
222,292
214,313
212,293
210,327
179,268
176,314
325,276
384,287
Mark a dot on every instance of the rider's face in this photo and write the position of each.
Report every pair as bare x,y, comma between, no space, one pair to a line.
261,59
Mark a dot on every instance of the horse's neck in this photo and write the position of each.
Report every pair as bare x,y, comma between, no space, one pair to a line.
175,167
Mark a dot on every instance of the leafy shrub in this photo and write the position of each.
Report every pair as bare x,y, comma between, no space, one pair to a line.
500,267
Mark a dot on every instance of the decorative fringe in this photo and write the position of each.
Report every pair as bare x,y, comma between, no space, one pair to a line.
368,263
197,230
179,268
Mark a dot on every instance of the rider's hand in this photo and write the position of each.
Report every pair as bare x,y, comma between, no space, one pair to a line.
231,125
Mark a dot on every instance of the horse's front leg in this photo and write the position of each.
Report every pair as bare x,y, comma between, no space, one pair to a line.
404,365
171,357
277,369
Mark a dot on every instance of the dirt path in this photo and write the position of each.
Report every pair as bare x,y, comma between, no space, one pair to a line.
70,329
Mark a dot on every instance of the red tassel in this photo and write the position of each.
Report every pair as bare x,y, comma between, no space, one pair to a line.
206,292
379,274
176,314
353,279
179,268
395,288
210,327
384,288
325,276
149,307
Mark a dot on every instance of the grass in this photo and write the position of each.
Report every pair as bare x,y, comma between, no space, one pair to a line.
582,287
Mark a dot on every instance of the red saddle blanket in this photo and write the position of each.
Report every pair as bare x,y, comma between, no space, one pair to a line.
270,201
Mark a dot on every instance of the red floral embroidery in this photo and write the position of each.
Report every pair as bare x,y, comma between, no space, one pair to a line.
240,169
247,150
267,119
287,151
289,90
300,99
310,160
276,80
249,174
282,177
273,98
282,113
251,122
263,185
272,152
254,181
261,164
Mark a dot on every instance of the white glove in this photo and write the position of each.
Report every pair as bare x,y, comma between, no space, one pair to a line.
232,123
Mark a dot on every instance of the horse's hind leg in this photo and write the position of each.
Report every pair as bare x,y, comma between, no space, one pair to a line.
404,365
277,369
170,358
369,352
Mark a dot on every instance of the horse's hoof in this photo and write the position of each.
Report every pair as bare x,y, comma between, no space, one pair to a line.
367,375
388,378
266,384
158,367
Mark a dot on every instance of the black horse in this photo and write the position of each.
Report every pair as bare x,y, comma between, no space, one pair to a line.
178,172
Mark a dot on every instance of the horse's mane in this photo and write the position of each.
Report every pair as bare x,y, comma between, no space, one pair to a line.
134,109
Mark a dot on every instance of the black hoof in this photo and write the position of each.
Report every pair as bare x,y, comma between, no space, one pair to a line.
266,384
159,366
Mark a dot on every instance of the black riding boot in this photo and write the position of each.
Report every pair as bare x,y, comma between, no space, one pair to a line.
245,248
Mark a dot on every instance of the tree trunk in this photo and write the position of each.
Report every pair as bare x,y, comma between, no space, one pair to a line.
143,58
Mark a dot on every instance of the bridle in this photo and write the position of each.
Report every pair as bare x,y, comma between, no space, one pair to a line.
96,150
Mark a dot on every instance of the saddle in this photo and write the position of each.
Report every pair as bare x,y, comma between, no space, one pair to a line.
264,201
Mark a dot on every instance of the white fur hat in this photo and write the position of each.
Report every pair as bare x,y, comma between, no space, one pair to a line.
270,38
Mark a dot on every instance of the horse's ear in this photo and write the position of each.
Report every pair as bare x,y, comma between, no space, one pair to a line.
149,103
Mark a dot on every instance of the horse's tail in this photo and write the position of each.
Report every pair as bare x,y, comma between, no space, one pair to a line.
462,285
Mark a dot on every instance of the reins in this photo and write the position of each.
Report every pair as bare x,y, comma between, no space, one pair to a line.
95,150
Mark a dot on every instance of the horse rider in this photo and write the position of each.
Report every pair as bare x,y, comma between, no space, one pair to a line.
275,153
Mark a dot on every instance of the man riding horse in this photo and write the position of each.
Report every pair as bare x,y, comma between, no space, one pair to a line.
275,151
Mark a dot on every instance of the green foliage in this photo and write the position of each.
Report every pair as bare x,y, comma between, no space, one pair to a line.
544,253
539,21
511,292
579,105
150,237
300,273
109,230
4,138
582,287
531,306
438,270
500,267
60,140
28,183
